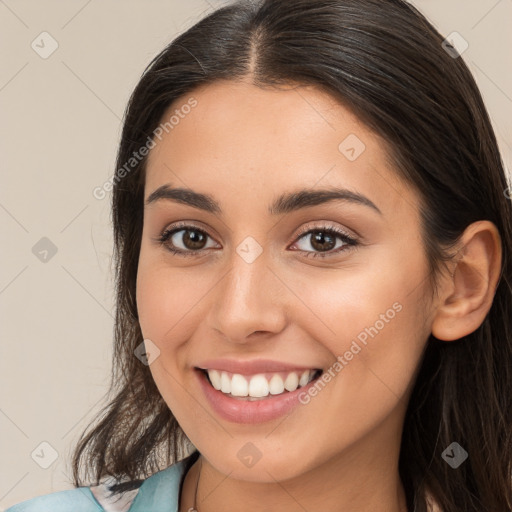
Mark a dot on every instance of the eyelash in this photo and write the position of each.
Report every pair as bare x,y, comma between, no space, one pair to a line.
349,241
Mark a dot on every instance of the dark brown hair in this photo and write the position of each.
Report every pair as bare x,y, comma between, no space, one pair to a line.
386,62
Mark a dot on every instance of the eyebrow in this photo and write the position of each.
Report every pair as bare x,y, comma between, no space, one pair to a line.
285,203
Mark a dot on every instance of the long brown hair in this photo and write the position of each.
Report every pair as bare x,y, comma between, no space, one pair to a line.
385,62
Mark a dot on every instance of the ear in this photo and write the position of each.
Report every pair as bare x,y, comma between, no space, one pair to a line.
466,295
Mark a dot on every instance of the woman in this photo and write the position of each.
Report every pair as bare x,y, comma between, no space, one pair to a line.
312,230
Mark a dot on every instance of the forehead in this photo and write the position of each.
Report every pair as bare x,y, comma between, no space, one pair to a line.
237,139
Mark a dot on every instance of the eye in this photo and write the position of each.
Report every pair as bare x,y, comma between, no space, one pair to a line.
188,240
184,239
324,239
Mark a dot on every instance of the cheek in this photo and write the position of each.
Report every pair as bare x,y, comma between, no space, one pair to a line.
370,319
167,308
170,305
155,298
163,293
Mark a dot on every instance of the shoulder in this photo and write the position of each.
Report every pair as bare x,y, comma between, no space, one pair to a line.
159,492
80,500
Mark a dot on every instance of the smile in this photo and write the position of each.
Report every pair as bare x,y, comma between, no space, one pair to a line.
261,385
250,409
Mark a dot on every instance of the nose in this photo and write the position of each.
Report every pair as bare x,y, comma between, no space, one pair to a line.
248,300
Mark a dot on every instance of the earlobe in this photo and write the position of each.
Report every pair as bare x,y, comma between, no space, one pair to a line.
466,295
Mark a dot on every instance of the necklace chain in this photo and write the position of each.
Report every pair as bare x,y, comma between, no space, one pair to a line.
194,508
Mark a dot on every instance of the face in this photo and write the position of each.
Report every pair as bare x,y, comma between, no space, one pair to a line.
308,281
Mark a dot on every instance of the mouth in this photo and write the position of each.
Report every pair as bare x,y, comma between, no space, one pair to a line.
261,386
255,398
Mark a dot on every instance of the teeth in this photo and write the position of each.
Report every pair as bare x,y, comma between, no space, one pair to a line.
276,385
215,379
259,386
304,378
292,382
225,383
239,386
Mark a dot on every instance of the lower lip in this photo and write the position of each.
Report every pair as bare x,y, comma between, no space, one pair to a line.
257,411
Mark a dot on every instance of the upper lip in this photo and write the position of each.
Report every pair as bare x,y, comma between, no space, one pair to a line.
251,367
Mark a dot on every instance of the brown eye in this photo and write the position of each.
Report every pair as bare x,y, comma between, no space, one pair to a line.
184,240
323,241
192,239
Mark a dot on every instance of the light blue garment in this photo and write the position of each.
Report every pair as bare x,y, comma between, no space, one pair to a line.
158,493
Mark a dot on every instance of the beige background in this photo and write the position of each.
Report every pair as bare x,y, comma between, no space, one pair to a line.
60,122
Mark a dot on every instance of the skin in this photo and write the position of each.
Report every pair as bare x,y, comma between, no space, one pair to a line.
245,146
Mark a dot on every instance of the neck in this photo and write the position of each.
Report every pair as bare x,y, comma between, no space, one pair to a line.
360,478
